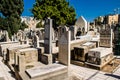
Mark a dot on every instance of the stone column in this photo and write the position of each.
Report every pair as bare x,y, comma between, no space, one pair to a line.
111,45
48,36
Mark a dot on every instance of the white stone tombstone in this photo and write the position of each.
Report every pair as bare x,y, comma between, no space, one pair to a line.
64,45
48,36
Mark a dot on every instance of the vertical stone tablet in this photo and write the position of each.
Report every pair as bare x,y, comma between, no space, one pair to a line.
64,45
48,36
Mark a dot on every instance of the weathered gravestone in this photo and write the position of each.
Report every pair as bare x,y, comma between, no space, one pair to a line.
106,37
10,57
4,46
36,41
55,71
48,36
26,58
72,29
46,57
64,45
99,57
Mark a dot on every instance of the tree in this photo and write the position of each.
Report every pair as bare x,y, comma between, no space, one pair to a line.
23,25
11,8
58,10
98,20
11,11
39,25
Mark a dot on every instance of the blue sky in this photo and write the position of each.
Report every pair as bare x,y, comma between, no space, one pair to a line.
87,8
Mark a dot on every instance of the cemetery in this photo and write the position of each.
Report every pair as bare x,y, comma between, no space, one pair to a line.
44,54
59,40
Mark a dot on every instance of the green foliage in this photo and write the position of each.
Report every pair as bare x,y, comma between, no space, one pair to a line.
58,10
98,21
39,25
3,24
11,8
11,11
23,25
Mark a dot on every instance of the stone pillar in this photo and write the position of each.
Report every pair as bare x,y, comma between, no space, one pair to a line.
48,36
64,45
111,38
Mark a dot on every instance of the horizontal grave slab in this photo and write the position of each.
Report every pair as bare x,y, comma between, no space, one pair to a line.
46,70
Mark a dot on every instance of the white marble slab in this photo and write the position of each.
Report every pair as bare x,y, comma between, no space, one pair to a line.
41,70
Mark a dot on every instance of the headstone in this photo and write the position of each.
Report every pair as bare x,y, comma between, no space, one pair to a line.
36,41
64,45
72,29
11,52
106,37
5,45
26,58
48,36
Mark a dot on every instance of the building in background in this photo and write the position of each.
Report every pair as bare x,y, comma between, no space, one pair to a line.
112,19
82,25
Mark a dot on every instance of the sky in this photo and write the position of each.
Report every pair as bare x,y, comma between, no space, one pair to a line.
89,9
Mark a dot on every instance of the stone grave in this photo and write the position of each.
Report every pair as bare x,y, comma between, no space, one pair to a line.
26,58
4,46
55,71
48,36
21,36
80,52
72,29
49,72
11,52
106,37
46,57
99,57
64,45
